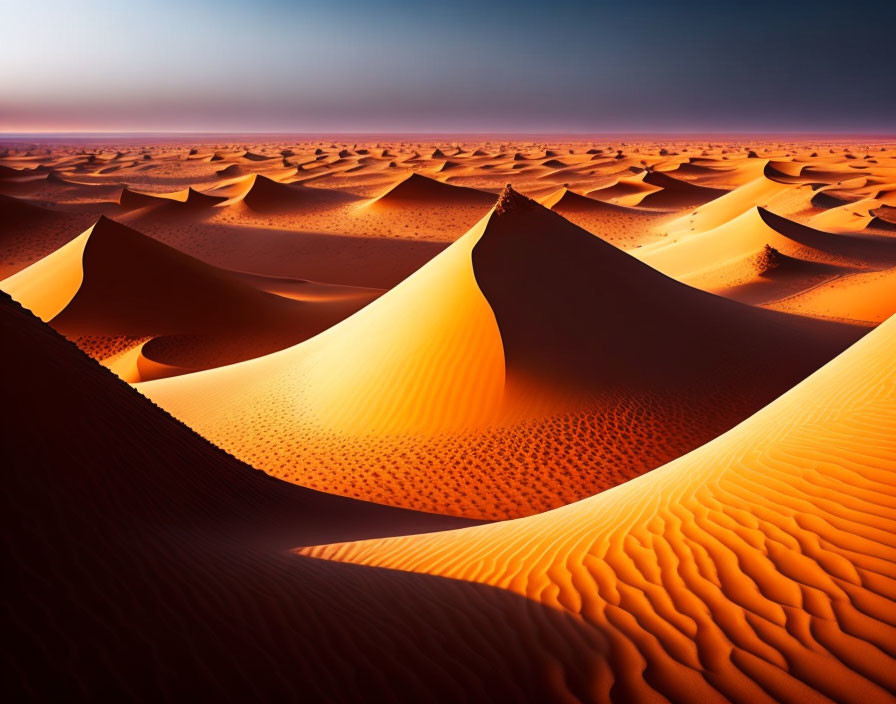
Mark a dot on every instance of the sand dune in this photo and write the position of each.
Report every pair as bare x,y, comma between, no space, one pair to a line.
417,190
494,344
759,192
863,296
144,562
724,259
112,282
757,567
676,193
188,199
265,195
30,232
621,225
850,217
628,190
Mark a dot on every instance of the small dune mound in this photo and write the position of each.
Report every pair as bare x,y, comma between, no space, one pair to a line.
251,156
437,154
885,214
16,211
189,199
827,198
198,201
784,172
230,171
676,193
768,260
418,190
134,200
58,178
112,283
701,254
761,190
265,195
568,202
8,172
565,200
449,165
627,191
614,223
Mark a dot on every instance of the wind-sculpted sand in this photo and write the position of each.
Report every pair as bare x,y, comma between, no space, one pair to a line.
665,367
528,365
760,566
149,311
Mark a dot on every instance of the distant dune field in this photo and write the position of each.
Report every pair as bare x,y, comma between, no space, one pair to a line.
493,419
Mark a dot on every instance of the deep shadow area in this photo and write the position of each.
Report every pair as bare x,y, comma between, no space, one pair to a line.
146,564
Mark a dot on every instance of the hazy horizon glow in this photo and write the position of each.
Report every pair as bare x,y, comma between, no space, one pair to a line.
349,66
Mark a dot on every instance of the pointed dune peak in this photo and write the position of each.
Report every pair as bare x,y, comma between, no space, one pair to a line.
189,199
512,202
524,320
265,195
417,190
114,280
231,170
198,200
567,202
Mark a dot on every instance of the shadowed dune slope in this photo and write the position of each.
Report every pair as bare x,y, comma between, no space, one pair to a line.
265,195
145,564
29,232
758,192
676,193
529,365
750,232
179,201
417,190
128,283
723,259
759,567
112,281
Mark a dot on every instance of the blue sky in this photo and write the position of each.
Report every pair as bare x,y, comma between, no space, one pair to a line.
394,66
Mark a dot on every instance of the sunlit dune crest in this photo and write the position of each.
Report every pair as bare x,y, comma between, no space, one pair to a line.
149,311
493,343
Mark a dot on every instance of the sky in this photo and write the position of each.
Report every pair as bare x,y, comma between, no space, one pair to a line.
557,66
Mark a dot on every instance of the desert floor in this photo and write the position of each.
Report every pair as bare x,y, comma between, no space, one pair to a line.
535,420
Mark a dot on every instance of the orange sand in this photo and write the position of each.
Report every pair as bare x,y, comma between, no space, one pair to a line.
757,567
482,387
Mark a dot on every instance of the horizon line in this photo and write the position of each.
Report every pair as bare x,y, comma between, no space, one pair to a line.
453,133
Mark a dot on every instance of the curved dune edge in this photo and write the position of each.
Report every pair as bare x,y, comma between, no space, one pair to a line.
113,282
694,258
481,385
761,565
440,368
866,296
760,191
418,190
49,285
